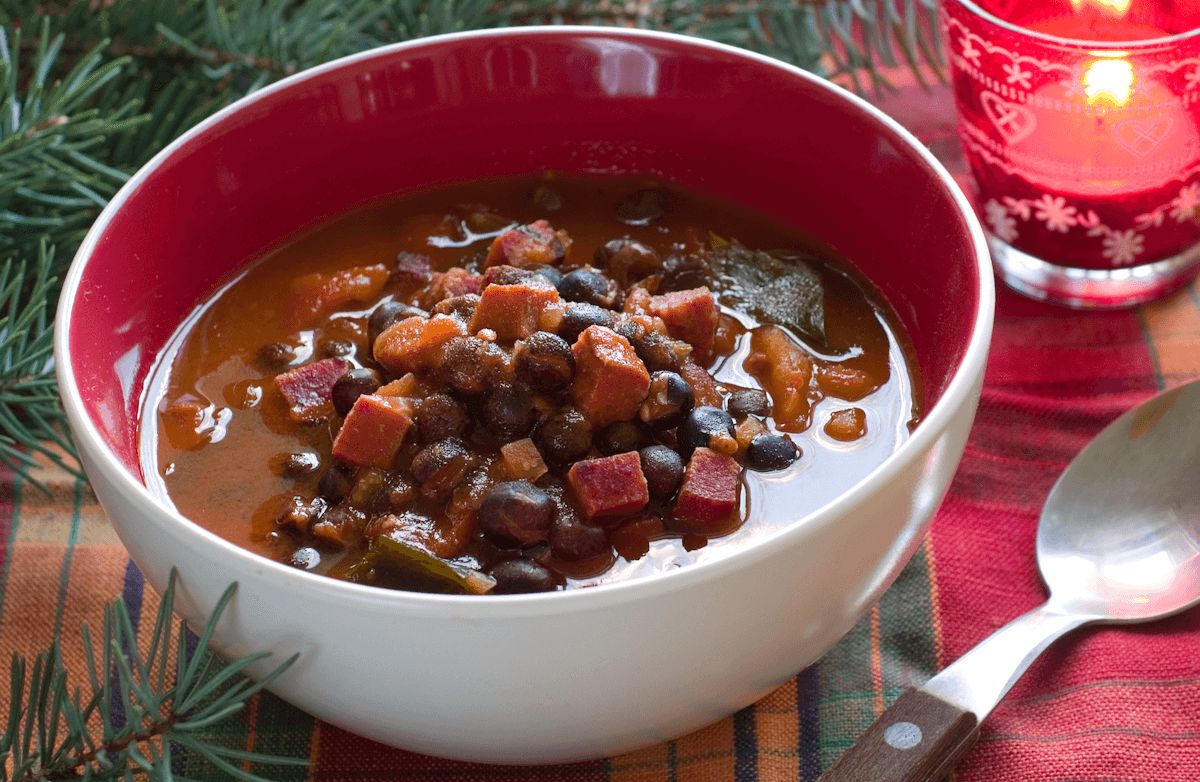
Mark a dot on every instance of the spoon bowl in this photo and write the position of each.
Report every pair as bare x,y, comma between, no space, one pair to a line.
1119,535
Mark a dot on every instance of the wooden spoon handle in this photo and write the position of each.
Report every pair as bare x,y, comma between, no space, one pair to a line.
918,739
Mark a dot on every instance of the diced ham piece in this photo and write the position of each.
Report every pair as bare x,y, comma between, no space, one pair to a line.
529,245
522,460
690,316
704,388
307,390
413,344
512,311
447,285
710,489
510,275
610,486
785,370
374,431
413,268
610,380
319,293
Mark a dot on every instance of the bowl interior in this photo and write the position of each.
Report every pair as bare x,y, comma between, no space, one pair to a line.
473,106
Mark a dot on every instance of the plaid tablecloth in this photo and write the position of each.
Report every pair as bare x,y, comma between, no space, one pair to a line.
1105,705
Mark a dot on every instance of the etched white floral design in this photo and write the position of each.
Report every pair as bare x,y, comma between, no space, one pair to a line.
1191,79
1185,205
1055,213
1015,74
1002,224
1123,247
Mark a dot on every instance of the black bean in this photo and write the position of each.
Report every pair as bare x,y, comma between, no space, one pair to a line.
508,412
299,464
702,427
470,365
643,207
520,576
670,398
460,307
627,260
276,356
440,416
663,469
573,540
335,484
631,330
386,314
305,558
565,436
657,353
337,348
516,513
579,317
399,491
750,401
350,386
549,273
545,361
589,287
441,466
771,452
619,437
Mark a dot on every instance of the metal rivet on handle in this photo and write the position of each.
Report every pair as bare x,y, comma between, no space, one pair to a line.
902,735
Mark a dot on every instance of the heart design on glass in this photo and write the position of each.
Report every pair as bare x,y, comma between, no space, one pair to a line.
1014,121
1141,135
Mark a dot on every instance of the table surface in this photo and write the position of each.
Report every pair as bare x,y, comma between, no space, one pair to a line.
1102,706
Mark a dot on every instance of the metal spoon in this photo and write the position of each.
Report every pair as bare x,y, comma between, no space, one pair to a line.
1118,541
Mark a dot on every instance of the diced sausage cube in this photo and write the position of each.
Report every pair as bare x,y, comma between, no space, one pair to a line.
610,486
319,293
308,390
522,459
529,245
448,284
374,431
610,380
414,344
511,275
512,311
408,385
709,493
704,388
413,268
690,316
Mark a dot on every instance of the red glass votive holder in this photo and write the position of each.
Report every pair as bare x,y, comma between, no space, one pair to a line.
1081,123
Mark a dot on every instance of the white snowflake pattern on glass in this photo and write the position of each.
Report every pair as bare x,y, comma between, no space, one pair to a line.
1055,213
1185,205
1015,74
1000,221
969,51
1122,247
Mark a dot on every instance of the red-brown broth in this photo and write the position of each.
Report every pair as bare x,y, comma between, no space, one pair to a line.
227,483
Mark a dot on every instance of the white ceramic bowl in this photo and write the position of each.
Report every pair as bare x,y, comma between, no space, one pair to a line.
561,676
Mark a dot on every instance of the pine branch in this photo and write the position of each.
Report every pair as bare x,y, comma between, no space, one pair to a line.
131,714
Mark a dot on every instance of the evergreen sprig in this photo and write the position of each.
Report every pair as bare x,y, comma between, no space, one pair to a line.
88,92
135,710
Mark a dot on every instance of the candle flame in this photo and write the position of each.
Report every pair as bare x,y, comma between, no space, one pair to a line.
1108,81
1116,7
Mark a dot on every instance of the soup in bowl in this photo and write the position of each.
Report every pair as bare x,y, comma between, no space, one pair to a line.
552,391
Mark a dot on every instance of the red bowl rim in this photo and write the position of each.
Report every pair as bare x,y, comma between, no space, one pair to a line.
958,391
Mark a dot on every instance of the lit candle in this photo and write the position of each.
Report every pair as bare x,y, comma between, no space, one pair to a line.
1081,121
